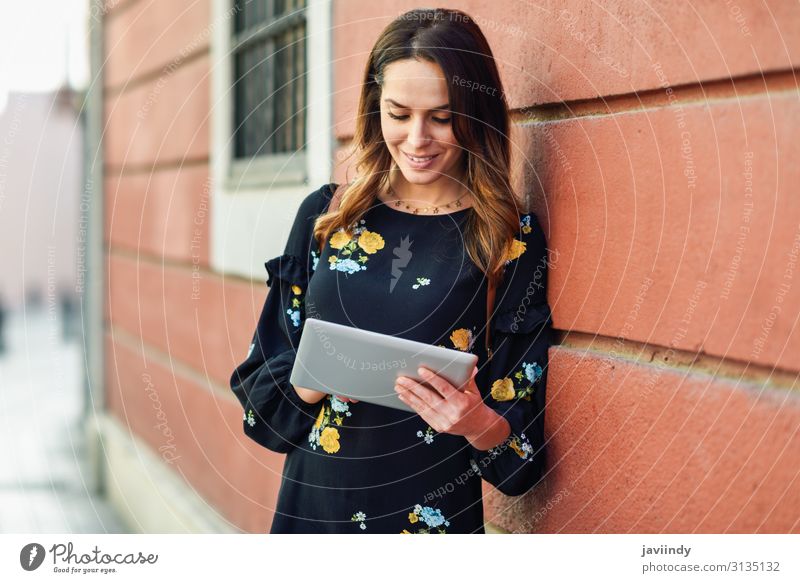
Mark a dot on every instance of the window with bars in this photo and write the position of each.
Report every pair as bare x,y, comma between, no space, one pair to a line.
268,58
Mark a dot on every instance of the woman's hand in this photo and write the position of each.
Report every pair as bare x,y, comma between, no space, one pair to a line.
450,410
311,396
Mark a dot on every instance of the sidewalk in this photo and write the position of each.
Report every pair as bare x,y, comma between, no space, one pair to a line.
44,475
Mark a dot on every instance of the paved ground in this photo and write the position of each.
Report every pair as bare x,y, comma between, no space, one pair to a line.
44,476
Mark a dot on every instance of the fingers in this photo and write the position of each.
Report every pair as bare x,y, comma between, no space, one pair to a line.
429,397
346,399
444,388
431,415
424,391
409,397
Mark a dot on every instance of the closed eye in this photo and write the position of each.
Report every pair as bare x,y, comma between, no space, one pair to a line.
404,117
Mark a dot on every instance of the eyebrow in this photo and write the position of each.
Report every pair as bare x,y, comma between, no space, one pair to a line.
401,106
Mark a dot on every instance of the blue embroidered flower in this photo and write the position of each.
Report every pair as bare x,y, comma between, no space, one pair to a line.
532,371
295,315
340,406
525,224
348,266
432,517
316,260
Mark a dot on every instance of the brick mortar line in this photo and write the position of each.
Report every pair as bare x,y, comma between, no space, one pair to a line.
167,361
137,169
640,353
185,266
687,94
154,74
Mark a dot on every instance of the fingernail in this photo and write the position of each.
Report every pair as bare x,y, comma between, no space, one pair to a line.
423,372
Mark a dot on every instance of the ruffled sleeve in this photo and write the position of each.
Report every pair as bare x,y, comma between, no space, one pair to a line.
513,383
274,415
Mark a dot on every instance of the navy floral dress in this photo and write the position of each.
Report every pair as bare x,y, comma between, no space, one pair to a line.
362,468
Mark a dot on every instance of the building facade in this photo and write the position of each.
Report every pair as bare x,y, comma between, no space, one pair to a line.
655,144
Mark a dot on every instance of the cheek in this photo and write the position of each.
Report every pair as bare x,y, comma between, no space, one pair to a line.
391,133
448,141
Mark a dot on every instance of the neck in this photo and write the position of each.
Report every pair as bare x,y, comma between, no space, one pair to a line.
445,190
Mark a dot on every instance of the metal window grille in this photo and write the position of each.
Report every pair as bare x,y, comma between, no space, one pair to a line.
268,49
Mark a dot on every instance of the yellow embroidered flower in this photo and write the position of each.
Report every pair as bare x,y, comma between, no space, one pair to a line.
370,242
515,446
503,389
517,248
340,239
337,420
461,338
297,289
405,532
412,518
526,229
321,415
329,439
332,259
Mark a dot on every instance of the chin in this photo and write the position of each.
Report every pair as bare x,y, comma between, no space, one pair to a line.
417,177
414,176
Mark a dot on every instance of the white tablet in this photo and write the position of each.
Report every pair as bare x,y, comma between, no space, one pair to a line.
363,365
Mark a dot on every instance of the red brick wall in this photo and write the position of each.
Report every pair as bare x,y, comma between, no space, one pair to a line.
671,403
670,409
174,332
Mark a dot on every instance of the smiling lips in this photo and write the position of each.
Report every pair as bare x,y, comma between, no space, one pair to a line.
420,159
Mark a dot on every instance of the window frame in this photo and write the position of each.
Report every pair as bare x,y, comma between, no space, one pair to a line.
254,200
265,169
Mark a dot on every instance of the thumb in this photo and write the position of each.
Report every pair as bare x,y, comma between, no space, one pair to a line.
470,386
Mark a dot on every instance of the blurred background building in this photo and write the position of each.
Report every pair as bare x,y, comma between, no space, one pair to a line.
42,160
655,141
45,469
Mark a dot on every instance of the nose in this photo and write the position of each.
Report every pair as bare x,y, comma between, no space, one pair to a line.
418,134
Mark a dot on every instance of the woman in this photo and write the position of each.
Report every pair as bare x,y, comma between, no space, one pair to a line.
429,219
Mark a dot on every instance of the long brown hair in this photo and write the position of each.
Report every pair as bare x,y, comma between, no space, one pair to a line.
480,122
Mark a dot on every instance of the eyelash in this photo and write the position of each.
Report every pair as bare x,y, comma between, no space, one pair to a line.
436,119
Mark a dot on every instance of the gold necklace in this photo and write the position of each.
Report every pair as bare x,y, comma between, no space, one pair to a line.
456,203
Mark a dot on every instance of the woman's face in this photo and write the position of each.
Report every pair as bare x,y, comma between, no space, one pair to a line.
415,121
